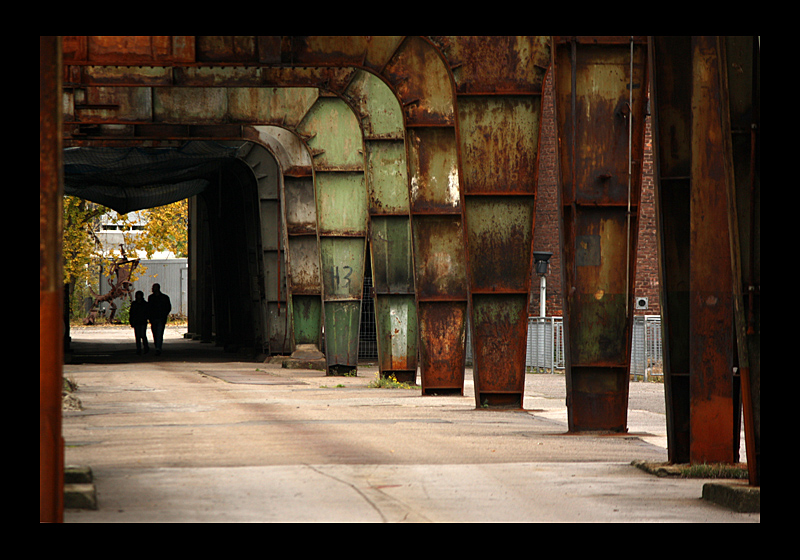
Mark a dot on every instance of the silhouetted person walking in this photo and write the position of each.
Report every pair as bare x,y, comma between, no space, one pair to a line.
139,315
160,306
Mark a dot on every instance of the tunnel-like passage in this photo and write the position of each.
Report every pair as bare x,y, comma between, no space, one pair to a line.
230,295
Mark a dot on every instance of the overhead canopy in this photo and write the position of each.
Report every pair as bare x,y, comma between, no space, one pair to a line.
129,179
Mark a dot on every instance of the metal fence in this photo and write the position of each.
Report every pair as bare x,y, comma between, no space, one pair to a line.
545,346
646,350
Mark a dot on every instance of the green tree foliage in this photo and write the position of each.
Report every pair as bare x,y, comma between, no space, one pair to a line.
164,229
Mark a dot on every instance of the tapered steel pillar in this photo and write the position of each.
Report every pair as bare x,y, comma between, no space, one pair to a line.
51,284
694,182
743,74
499,83
336,144
424,86
298,219
601,86
390,226
422,83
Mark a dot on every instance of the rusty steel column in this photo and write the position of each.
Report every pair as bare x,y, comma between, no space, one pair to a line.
743,76
390,227
499,84
714,408
671,114
301,240
693,176
51,284
337,148
273,300
423,84
601,86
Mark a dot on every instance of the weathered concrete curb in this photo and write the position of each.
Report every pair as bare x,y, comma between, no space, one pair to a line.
79,490
735,495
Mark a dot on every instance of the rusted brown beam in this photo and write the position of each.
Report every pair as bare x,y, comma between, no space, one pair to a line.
714,404
693,178
498,82
742,74
51,318
600,86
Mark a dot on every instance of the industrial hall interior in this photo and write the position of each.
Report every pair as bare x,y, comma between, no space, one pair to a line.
437,171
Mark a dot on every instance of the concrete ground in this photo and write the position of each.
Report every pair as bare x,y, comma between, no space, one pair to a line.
198,435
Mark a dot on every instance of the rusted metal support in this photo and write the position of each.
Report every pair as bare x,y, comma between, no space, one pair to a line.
693,176
336,145
389,224
601,86
273,296
499,83
743,75
299,218
51,284
416,73
423,83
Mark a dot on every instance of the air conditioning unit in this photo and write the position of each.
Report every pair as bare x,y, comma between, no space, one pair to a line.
641,303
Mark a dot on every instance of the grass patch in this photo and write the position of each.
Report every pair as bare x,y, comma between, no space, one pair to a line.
702,470
389,382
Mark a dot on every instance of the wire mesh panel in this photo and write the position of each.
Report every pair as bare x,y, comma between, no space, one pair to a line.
646,351
367,333
545,346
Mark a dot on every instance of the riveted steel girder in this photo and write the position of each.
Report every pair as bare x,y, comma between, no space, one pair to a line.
698,95
304,286
601,86
422,82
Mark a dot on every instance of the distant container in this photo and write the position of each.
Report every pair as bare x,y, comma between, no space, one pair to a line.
171,274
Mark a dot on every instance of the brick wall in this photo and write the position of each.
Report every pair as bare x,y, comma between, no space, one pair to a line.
546,234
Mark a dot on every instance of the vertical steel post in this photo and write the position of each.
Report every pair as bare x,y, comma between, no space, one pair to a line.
51,284
423,84
743,76
336,145
600,85
693,176
714,408
390,227
298,218
499,83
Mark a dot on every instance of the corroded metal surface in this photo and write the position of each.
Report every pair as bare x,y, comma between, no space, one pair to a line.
743,71
692,132
600,85
423,84
51,320
336,144
233,83
498,83
299,216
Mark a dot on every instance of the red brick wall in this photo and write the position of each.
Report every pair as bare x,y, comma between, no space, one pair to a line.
546,235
